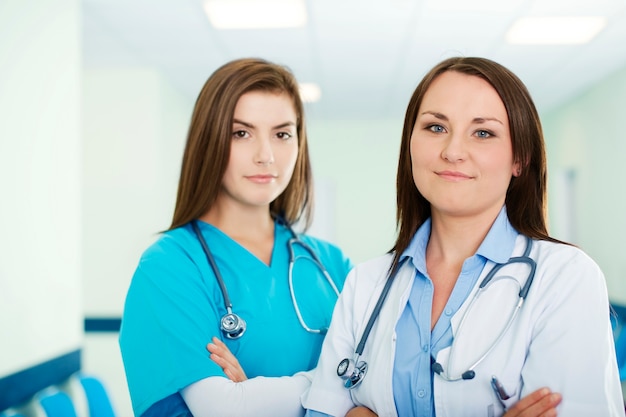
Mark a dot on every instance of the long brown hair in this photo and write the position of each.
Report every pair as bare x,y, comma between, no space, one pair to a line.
208,141
526,196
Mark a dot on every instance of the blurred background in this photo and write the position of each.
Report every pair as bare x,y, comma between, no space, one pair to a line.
96,97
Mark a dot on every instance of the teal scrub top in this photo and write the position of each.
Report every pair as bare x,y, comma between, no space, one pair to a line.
174,306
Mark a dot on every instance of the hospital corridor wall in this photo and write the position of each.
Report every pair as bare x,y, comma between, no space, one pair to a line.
90,158
586,142
40,182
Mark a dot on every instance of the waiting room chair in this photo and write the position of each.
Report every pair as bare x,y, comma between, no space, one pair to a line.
98,400
620,350
56,403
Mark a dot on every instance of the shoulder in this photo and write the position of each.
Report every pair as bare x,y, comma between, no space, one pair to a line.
170,245
560,256
567,269
375,265
172,256
366,282
373,272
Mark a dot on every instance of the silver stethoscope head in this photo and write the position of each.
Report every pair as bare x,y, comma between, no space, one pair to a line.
352,371
232,325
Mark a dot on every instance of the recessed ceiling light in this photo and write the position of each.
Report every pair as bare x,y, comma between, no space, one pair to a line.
255,14
310,93
555,30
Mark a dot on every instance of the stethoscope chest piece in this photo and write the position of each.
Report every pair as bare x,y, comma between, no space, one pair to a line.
351,372
232,325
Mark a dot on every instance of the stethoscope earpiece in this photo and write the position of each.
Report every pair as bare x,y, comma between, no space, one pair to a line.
468,375
352,372
232,325
438,369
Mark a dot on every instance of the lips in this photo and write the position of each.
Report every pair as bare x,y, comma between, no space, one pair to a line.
453,175
261,178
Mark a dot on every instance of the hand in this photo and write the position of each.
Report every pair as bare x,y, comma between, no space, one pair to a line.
540,403
361,412
221,355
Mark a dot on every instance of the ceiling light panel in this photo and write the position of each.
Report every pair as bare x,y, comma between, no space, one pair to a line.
256,14
576,7
555,30
490,6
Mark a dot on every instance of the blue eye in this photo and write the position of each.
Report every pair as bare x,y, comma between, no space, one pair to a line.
483,134
436,128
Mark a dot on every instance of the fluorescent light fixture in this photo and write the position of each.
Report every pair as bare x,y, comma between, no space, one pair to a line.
310,93
555,30
473,5
255,14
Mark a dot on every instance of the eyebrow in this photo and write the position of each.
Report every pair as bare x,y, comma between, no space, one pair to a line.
475,120
251,126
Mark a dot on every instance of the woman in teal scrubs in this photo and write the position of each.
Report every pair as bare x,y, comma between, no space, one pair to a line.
245,178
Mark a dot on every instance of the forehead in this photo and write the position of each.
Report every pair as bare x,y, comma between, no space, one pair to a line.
256,98
457,92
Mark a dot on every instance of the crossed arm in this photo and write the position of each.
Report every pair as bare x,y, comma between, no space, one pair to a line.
540,403
236,394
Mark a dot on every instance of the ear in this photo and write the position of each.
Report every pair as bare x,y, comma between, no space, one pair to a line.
517,169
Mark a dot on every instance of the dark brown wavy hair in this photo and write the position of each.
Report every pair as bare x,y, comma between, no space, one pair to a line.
209,138
526,197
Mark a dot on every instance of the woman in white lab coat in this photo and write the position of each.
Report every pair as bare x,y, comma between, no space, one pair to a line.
449,340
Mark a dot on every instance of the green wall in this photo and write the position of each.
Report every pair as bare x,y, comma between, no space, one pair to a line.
586,141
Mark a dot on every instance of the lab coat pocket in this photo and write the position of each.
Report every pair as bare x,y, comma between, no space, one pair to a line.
505,393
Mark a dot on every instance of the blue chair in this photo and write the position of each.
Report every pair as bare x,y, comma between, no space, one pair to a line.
620,350
97,397
619,332
56,403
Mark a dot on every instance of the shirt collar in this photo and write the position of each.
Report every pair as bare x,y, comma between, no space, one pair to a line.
499,243
497,246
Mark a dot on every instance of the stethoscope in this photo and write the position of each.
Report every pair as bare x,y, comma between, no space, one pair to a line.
353,370
231,324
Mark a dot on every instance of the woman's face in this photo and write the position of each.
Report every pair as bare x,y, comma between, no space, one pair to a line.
461,150
264,149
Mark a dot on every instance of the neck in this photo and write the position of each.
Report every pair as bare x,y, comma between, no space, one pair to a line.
237,221
454,239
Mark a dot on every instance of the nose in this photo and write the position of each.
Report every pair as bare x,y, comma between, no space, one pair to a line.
264,154
454,149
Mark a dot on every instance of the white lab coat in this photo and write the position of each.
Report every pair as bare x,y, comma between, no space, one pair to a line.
561,339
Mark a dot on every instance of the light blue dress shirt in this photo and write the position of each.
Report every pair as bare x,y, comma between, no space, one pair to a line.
416,343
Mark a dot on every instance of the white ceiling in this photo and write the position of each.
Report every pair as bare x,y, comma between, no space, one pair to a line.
366,55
